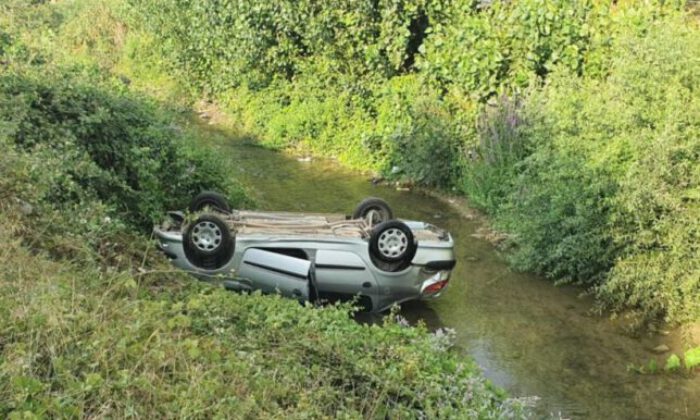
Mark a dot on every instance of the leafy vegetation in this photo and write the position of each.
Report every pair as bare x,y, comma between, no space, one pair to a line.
690,361
609,194
545,113
111,147
691,358
673,363
93,324
80,341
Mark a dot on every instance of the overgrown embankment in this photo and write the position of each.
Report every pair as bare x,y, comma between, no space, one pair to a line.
80,339
93,323
574,124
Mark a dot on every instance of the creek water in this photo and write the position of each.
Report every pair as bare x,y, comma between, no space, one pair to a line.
528,336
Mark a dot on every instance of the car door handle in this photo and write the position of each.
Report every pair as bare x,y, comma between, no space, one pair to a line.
367,284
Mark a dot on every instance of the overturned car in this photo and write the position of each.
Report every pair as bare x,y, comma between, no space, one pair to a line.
368,256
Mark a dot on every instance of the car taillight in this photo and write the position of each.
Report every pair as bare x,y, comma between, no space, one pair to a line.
435,287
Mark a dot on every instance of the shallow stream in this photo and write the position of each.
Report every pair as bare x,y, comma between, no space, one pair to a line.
528,336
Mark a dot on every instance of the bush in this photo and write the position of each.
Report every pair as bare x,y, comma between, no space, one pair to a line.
556,213
504,46
409,89
427,149
346,79
109,147
656,219
221,45
399,128
484,51
609,196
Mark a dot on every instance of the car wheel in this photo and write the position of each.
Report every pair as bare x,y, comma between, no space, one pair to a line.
374,210
209,200
393,244
208,242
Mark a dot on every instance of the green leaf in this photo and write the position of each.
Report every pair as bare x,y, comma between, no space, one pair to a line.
692,358
673,363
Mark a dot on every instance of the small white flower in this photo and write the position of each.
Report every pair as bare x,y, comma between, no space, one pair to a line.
401,321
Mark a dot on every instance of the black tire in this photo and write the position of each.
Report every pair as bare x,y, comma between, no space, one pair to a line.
373,207
209,200
392,243
208,242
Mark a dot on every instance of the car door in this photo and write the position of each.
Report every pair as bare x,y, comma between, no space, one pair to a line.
272,272
343,275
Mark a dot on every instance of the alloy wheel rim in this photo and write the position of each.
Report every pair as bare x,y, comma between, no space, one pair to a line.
392,243
206,236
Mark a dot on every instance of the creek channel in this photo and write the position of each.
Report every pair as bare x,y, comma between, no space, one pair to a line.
528,336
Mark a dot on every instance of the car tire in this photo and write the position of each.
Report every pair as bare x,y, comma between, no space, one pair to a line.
209,200
208,242
375,210
392,245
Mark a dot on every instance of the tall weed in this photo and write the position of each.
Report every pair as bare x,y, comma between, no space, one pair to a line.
493,163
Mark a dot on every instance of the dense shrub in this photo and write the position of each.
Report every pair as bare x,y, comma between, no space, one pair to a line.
505,46
350,80
220,45
493,163
613,180
332,78
556,209
399,128
482,51
104,146
427,149
656,221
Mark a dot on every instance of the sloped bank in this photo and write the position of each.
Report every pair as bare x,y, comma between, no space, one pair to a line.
84,342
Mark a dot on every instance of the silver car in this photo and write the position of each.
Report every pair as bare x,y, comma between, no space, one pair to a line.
368,256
